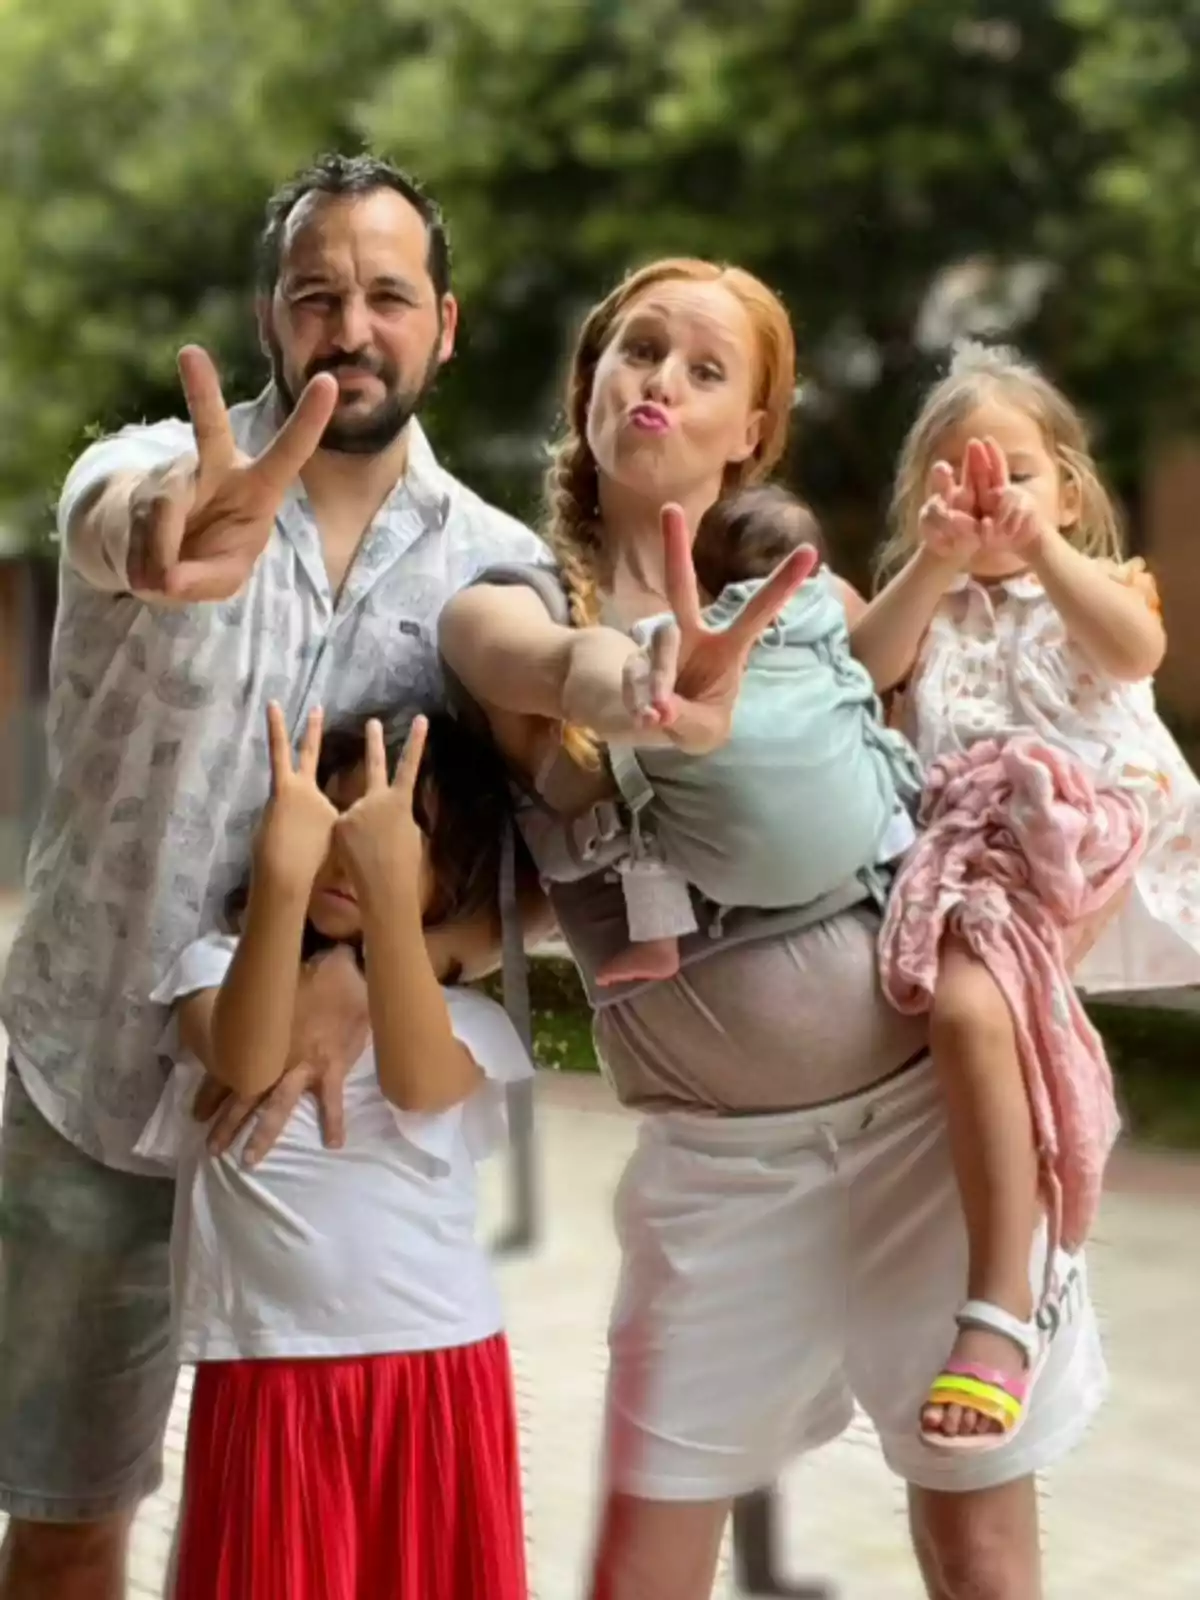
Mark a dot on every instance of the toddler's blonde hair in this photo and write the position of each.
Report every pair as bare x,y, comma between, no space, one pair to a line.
979,373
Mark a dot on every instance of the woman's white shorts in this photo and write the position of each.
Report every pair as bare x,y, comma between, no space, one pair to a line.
776,1269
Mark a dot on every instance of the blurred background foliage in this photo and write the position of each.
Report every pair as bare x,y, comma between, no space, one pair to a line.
902,171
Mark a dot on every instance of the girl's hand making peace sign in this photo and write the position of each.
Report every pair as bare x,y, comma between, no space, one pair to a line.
297,826
378,838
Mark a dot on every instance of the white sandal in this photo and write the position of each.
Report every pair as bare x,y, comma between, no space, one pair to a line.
1001,1396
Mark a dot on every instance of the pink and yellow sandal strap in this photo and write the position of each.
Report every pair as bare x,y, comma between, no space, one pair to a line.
999,1396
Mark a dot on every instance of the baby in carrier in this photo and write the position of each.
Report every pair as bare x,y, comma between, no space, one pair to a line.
809,755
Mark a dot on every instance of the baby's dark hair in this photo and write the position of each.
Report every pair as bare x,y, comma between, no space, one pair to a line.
747,534
461,803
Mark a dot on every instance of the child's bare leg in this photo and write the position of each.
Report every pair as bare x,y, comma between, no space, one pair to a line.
1079,940
995,1160
650,959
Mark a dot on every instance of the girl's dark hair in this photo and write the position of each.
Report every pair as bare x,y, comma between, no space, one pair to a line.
461,803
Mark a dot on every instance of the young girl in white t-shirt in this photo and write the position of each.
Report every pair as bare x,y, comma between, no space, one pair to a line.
353,1429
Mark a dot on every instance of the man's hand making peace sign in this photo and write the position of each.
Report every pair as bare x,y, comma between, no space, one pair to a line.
198,526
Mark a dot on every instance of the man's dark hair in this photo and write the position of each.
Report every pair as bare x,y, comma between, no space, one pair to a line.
340,177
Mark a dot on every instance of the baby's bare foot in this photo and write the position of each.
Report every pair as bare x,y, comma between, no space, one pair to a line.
650,961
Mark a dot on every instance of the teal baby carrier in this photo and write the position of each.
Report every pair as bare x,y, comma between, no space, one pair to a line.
809,758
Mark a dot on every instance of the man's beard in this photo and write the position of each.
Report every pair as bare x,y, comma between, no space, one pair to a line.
369,433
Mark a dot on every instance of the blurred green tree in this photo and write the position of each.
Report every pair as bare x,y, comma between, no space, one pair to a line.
1128,319
142,142
901,170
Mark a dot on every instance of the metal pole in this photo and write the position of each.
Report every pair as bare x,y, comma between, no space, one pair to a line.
755,1552
522,1230
521,1233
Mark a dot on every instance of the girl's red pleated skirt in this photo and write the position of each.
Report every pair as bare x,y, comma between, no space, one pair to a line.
375,1478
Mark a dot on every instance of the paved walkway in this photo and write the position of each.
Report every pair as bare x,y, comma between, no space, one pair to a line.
1121,1519
1104,1536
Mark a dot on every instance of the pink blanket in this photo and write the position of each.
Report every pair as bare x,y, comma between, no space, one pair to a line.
1019,846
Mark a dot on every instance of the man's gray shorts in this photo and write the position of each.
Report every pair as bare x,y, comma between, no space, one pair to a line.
86,1371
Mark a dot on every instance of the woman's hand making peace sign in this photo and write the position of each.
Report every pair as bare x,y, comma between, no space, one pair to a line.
686,682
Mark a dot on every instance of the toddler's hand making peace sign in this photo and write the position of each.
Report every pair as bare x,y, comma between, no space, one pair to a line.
956,519
379,838
980,511
1012,523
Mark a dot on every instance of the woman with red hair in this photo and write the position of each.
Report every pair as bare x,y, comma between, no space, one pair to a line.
790,1229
